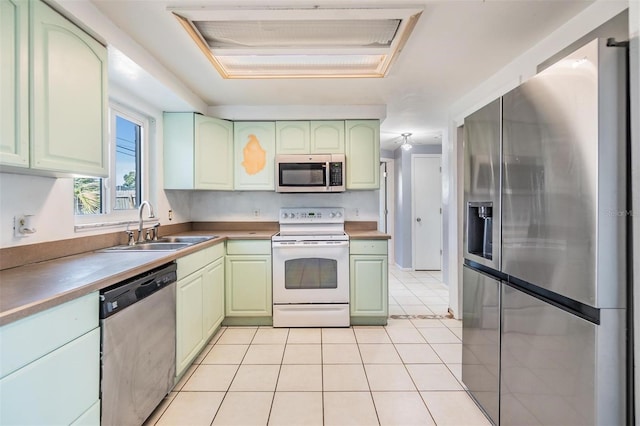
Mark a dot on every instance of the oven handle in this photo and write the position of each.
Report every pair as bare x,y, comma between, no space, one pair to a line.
308,244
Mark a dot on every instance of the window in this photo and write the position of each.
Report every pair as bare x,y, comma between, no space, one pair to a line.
123,189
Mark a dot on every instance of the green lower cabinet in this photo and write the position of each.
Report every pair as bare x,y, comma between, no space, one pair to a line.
55,389
213,296
248,289
199,303
369,289
189,323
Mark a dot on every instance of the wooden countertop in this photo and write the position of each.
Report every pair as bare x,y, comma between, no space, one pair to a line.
28,289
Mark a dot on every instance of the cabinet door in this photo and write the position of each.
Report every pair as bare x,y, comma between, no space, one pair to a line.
213,296
327,137
189,325
213,153
369,286
362,150
69,82
248,286
292,137
14,83
55,389
254,155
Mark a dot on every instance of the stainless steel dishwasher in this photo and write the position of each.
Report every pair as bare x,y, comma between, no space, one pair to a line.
138,345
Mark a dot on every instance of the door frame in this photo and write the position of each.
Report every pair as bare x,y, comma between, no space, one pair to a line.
390,196
413,207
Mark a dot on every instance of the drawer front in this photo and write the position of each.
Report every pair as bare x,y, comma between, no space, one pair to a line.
191,263
46,331
368,247
55,389
249,247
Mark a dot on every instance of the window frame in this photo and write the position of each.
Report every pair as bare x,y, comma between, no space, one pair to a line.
108,213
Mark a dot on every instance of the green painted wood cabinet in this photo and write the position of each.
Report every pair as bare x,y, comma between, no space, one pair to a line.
254,155
292,137
369,288
310,137
327,137
213,296
199,302
69,96
198,152
362,151
63,128
50,365
14,83
248,279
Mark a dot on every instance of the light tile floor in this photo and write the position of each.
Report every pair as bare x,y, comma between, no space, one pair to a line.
406,373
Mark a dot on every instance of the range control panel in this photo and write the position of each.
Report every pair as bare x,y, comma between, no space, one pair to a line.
291,215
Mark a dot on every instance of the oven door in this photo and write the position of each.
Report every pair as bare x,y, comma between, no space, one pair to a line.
310,272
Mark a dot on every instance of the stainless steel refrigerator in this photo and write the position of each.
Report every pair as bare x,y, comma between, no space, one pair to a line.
546,302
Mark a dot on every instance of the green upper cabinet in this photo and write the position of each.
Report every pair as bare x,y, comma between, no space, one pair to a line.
362,151
327,137
254,155
14,83
68,95
198,152
53,94
310,137
292,137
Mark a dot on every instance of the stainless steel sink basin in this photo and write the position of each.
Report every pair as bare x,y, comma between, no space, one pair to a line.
170,243
151,246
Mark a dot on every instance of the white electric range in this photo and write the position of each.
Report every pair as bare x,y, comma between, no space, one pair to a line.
311,268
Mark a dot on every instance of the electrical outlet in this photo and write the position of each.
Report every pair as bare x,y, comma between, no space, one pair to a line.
170,214
357,212
256,212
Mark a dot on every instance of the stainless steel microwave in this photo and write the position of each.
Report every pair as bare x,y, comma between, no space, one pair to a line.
310,173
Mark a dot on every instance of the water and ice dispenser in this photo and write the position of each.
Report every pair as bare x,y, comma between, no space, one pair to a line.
479,229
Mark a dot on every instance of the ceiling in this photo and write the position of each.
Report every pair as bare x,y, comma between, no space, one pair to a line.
455,45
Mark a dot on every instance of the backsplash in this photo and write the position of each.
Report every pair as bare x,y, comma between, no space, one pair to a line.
265,206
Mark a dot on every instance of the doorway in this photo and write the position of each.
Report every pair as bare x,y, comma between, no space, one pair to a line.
426,184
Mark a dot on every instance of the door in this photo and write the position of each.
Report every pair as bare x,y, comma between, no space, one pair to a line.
427,212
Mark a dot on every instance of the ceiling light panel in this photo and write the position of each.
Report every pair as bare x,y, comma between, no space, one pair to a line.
299,43
325,33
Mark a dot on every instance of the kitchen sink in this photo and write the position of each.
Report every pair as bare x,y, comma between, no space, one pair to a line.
165,243
151,246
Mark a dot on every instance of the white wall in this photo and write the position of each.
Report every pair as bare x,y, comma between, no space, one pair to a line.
520,69
240,206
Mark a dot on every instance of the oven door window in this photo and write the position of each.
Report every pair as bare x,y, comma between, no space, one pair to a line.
310,273
303,174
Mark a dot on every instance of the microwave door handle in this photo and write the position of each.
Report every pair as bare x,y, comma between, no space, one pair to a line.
327,174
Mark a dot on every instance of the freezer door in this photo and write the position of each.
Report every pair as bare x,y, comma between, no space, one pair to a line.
481,339
482,153
558,369
563,178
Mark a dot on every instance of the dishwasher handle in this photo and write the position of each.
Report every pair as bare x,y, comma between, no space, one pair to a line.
117,297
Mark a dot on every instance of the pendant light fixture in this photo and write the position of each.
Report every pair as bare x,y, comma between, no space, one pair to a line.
405,144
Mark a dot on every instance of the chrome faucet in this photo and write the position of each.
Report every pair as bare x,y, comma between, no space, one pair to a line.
140,223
